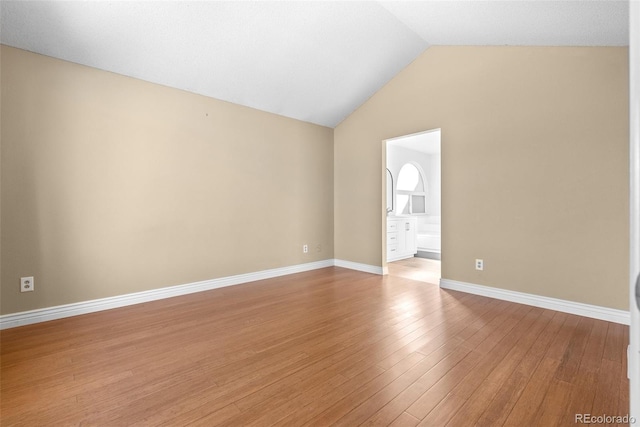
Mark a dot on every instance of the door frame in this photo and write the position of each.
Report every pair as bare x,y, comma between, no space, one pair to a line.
634,207
384,145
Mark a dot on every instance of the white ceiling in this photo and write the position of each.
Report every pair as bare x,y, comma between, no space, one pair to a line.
315,61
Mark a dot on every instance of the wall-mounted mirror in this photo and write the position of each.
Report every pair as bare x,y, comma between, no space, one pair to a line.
389,191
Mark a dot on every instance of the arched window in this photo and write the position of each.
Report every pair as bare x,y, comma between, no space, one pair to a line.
411,193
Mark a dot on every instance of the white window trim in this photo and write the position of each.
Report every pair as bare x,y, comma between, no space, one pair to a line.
425,193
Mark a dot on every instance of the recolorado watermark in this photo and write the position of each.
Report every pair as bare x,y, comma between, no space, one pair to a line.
603,419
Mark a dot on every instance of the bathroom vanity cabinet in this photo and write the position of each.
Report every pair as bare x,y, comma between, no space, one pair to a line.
401,237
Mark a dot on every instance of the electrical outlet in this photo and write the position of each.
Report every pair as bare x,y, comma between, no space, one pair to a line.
479,264
26,284
305,248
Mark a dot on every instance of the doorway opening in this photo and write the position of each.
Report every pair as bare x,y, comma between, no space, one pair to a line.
413,206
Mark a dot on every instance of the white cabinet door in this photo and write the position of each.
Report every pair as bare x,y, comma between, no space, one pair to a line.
411,237
402,240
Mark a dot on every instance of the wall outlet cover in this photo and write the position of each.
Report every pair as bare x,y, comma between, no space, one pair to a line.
26,284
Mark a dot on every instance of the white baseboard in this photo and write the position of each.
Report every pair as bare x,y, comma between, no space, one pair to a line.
586,310
373,269
58,312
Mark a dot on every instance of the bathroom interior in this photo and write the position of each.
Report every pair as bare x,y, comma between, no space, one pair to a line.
413,204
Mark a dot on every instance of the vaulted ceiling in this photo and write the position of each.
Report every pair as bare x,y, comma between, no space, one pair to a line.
315,61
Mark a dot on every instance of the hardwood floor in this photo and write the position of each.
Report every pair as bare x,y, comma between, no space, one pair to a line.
326,347
420,269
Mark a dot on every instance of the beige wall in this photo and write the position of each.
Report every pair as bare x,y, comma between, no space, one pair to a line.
111,185
534,167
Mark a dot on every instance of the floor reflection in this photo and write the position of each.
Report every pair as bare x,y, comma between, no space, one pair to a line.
420,269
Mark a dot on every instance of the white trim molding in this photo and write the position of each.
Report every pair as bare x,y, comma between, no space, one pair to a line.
586,310
633,351
58,312
373,269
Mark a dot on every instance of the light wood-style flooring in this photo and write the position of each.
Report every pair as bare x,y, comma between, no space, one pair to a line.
326,347
420,269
